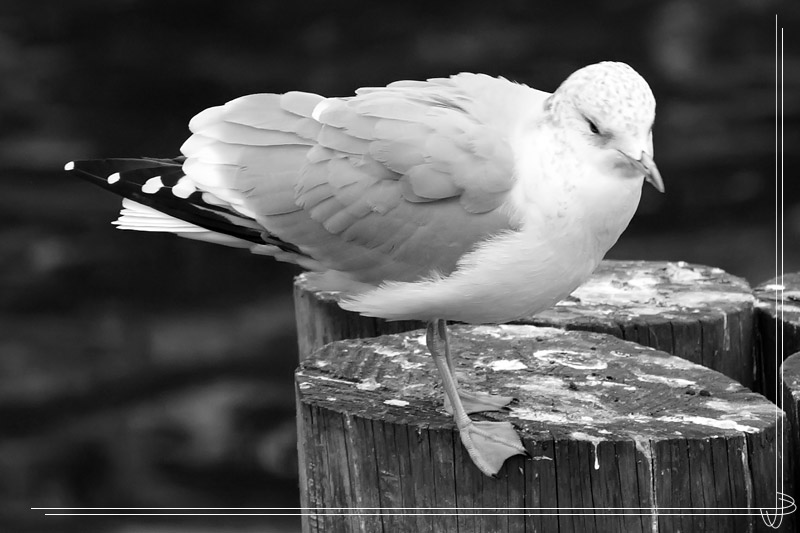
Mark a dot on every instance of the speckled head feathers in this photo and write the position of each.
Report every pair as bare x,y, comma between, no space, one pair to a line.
611,91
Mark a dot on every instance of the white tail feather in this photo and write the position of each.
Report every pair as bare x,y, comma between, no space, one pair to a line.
138,217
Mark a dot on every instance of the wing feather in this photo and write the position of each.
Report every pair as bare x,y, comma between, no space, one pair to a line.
236,133
300,103
427,182
394,183
339,140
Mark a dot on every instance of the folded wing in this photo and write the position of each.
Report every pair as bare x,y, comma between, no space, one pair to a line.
395,183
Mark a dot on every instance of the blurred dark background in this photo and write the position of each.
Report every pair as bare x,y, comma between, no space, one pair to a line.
142,370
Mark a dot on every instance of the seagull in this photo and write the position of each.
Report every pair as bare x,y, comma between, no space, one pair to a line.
470,198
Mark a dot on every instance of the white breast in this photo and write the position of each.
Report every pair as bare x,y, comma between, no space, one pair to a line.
570,213
514,275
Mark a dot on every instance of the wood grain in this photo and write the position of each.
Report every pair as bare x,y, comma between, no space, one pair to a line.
608,424
790,386
778,323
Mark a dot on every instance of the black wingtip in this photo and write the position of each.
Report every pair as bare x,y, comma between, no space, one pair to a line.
127,178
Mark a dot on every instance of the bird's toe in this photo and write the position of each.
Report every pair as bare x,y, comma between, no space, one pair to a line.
490,443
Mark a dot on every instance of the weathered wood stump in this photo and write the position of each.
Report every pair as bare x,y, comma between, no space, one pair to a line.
778,322
620,436
790,385
696,312
699,313
320,320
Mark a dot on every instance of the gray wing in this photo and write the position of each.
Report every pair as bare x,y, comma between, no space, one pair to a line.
392,184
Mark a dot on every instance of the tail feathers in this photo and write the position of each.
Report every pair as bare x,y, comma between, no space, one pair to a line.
135,216
160,198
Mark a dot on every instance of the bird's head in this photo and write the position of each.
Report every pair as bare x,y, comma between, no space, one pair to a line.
607,110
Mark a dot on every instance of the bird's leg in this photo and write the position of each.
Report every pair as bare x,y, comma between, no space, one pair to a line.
474,402
489,444
441,325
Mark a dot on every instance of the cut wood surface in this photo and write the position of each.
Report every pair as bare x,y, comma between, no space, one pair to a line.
608,424
778,322
700,313
696,312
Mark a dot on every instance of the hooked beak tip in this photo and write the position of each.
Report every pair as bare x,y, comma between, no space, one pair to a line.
649,169
654,179
652,175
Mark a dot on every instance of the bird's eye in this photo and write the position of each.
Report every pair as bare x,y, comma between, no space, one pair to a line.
592,126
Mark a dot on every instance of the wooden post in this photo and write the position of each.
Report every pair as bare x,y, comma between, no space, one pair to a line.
778,322
696,312
612,427
320,320
790,385
699,313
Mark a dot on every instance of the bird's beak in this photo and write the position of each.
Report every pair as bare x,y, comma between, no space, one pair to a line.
648,167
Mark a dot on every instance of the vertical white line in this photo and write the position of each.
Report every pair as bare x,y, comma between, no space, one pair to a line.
783,235
777,283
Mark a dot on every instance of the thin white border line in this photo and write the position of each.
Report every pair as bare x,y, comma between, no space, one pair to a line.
779,375
778,237
789,508
431,511
761,514
314,509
